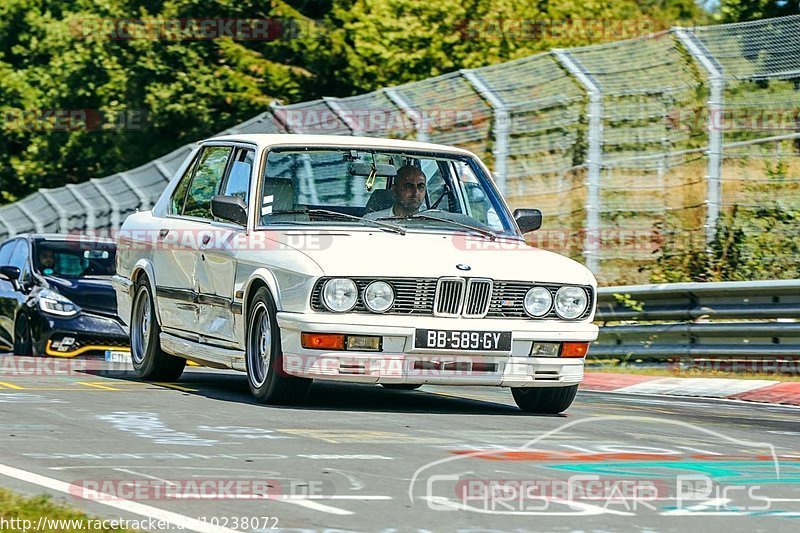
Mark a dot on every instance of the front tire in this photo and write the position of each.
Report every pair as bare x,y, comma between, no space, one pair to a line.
544,400
149,361
264,357
23,343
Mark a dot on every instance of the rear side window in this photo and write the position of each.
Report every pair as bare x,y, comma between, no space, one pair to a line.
206,181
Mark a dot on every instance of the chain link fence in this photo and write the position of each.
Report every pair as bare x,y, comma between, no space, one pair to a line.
624,146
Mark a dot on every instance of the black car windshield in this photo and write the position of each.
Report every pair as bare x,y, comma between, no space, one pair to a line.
74,258
388,186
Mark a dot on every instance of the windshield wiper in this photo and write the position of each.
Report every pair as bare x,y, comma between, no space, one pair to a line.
335,214
486,233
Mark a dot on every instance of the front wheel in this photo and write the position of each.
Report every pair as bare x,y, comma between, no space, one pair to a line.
544,400
149,361
264,358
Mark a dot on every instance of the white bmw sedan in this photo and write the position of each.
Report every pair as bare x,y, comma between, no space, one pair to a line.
294,258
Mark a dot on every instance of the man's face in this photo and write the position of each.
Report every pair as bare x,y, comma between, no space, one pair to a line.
409,192
46,259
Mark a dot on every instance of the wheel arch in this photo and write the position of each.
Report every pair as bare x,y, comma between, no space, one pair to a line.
144,267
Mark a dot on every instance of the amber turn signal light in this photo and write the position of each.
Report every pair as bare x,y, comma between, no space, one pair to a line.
574,349
322,341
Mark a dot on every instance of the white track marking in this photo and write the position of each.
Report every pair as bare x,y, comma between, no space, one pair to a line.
185,522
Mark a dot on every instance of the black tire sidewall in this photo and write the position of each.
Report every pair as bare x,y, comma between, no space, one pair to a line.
23,347
265,391
148,357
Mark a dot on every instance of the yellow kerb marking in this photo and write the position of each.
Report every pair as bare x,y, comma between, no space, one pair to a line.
10,385
97,385
176,387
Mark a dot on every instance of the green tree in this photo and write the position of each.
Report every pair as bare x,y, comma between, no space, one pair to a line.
744,10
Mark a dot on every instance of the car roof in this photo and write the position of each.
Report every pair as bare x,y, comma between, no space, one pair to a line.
265,140
75,237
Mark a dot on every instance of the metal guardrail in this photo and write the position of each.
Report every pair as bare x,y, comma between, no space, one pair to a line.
719,320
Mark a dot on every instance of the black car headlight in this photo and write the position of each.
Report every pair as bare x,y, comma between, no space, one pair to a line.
55,304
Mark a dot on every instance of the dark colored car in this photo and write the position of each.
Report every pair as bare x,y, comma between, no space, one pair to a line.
56,296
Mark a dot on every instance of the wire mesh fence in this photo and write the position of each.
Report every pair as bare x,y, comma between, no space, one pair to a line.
624,146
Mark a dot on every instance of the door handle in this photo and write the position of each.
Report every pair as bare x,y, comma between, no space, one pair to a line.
206,239
163,233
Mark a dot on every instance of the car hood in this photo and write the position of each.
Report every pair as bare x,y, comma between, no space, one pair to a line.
379,253
90,293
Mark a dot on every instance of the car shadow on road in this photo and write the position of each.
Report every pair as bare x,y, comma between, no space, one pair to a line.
331,396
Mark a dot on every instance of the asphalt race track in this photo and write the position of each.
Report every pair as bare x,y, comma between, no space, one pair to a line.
200,453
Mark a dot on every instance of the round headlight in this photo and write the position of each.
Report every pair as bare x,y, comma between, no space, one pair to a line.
340,294
378,296
571,302
538,301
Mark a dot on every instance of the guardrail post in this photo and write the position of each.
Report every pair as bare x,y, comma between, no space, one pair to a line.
37,224
414,116
91,218
63,216
594,160
501,127
9,228
116,213
716,82
144,201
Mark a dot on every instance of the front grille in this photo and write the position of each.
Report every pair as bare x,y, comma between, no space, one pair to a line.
449,297
469,297
479,295
83,341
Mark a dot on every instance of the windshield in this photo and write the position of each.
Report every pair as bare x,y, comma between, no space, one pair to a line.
415,190
74,259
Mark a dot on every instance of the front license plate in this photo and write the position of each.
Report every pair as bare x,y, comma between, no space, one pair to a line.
481,341
113,356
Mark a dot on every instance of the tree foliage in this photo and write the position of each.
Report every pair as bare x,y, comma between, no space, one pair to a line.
57,57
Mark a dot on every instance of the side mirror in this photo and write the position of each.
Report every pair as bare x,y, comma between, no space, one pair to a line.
528,219
229,208
11,273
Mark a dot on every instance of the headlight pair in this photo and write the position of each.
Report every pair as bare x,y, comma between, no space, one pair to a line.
570,302
341,295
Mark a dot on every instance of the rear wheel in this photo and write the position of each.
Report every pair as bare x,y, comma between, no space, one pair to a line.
149,360
264,357
401,386
23,344
544,400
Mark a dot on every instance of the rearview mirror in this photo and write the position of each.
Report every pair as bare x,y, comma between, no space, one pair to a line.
528,219
230,209
360,168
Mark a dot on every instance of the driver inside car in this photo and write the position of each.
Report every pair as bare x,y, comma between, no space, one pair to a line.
408,190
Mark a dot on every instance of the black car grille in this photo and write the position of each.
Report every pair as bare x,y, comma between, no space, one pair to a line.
484,297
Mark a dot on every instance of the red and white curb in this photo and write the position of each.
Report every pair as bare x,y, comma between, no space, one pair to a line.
751,390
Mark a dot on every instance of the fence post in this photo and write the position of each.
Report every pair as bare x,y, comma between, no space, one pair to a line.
716,82
594,160
414,116
91,217
63,216
10,230
37,223
501,127
116,212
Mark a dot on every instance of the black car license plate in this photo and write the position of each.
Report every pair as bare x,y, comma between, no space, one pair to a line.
483,341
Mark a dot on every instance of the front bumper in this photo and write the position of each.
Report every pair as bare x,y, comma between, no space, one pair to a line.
400,362
92,334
